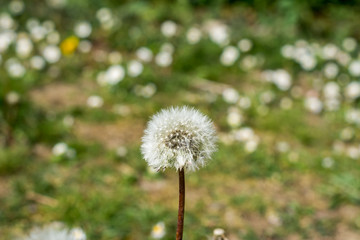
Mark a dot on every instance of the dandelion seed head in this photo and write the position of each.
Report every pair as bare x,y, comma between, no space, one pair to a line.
180,138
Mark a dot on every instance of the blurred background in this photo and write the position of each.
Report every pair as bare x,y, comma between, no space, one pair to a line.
281,80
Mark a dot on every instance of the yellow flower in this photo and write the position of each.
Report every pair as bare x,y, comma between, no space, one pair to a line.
69,45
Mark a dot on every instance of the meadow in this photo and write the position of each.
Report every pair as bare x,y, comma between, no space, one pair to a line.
280,79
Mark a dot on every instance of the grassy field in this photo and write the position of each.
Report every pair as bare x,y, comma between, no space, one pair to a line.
281,80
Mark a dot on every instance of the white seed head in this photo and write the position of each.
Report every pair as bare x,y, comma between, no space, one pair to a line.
55,231
180,138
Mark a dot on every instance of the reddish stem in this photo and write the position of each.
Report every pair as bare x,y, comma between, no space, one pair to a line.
180,224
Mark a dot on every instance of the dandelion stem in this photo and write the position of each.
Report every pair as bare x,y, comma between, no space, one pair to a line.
180,224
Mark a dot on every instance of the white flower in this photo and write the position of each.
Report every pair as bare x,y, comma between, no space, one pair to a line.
281,78
37,62
158,230
83,29
331,70
60,149
249,62
77,234
16,7
53,38
354,68
51,53
146,91
95,101
218,32
180,138
163,59
106,18
349,44
114,74
6,38
193,35
229,55
168,28
353,116
12,98
85,46
331,90
329,51
352,90
234,117
313,104
56,231
14,68
230,95
245,45
24,46
6,21
167,47
135,68
144,54
287,51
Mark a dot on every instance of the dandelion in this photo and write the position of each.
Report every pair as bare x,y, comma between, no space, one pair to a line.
234,117
53,38
313,104
60,149
218,32
56,231
114,74
245,45
349,44
331,70
168,28
354,68
180,138
352,90
83,29
12,98
229,56
24,46
16,7
135,68
84,46
282,79
230,95
14,68
163,59
95,101
193,35
144,54
219,234
51,53
69,45
37,62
